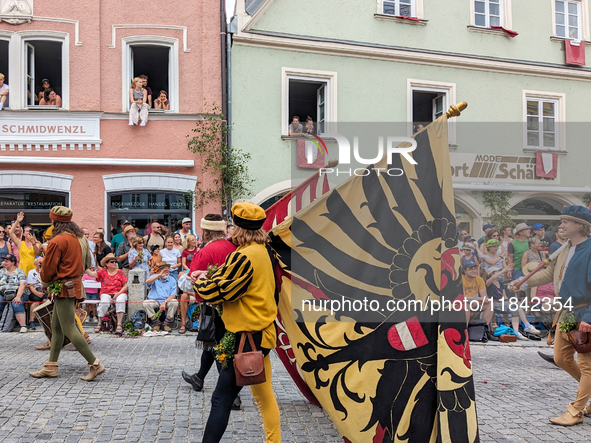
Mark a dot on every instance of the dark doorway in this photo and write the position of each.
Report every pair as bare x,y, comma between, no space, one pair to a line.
307,98
4,60
48,64
426,107
152,61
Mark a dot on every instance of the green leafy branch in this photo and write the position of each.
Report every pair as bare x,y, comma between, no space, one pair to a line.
500,209
226,165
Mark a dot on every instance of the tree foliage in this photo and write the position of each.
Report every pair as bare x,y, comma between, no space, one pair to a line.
500,210
226,165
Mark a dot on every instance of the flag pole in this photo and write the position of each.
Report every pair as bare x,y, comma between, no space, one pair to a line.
456,110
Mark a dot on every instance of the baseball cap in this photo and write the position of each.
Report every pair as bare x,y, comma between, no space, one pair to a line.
487,226
186,219
45,80
469,264
125,222
10,257
469,238
537,226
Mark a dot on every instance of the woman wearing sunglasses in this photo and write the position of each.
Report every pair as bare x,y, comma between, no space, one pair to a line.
113,287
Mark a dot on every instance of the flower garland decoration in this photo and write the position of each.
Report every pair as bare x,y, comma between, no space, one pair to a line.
225,349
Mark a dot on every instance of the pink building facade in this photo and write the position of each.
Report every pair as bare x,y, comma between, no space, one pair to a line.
85,154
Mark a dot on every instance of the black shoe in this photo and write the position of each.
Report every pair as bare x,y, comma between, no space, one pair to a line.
237,403
491,336
548,358
193,380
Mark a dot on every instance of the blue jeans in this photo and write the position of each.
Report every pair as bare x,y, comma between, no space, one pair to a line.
517,273
19,308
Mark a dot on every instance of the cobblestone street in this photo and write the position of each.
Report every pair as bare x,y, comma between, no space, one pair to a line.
142,398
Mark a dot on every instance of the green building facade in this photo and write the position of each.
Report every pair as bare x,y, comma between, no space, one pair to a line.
404,62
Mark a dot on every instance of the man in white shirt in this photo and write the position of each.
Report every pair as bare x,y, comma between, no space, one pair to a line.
91,245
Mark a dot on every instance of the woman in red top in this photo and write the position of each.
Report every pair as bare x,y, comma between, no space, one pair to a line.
189,252
113,286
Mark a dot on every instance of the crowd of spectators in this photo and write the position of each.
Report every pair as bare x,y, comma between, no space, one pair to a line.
140,98
498,257
163,257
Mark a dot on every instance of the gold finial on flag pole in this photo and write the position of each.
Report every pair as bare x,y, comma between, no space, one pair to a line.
456,110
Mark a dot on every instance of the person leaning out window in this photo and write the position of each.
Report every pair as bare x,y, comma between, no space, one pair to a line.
162,101
50,98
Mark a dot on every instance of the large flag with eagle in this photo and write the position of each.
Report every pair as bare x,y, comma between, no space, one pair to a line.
382,374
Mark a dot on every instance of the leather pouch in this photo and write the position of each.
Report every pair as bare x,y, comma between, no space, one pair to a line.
580,340
249,366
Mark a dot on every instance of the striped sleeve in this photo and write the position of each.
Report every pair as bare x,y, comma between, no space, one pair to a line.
230,281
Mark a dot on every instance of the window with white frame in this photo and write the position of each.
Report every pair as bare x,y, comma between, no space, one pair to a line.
488,13
157,59
308,95
399,8
567,19
542,127
42,70
427,101
27,58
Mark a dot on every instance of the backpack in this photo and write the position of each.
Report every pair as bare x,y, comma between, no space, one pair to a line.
150,236
138,319
7,320
477,331
192,326
110,324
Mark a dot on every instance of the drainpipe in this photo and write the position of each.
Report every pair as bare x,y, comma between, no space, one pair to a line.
223,45
229,96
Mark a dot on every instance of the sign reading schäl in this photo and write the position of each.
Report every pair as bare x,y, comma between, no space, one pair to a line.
496,168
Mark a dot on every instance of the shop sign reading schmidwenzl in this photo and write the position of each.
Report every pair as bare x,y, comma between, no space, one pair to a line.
496,168
49,130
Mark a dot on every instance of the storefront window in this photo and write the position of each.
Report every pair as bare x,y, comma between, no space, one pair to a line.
142,209
539,210
464,218
35,205
271,201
